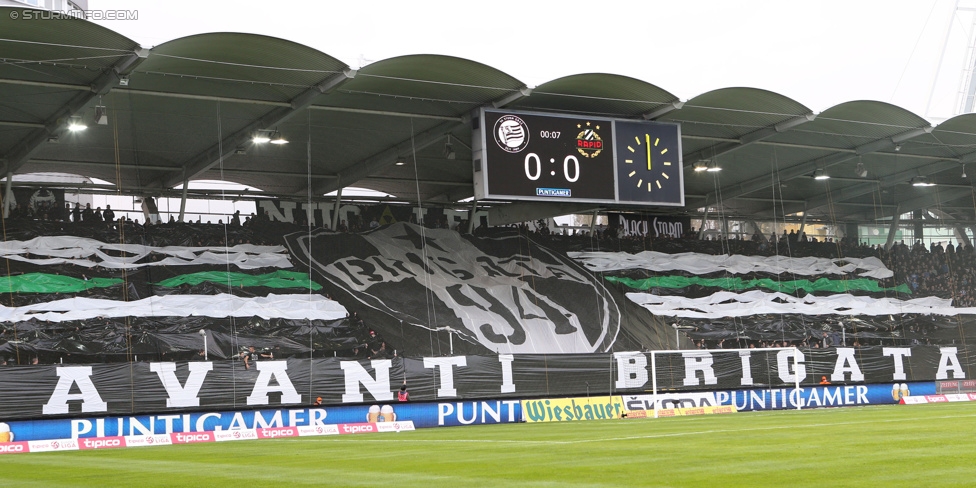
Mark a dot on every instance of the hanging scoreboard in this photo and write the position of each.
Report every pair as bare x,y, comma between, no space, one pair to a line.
550,157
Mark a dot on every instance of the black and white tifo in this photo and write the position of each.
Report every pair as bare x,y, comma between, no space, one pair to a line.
507,293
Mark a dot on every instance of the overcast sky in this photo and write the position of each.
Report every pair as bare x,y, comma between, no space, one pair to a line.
819,53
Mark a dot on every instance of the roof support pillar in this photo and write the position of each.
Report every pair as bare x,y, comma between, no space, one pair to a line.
893,229
701,228
757,232
962,236
803,223
335,211
8,194
474,209
186,185
918,228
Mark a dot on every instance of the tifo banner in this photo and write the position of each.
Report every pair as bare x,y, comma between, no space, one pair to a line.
507,293
164,387
648,225
736,264
739,284
312,307
728,304
90,253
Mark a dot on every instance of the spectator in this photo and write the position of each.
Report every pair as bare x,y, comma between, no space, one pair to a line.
251,356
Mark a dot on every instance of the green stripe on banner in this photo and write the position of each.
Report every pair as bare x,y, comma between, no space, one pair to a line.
277,279
51,283
736,284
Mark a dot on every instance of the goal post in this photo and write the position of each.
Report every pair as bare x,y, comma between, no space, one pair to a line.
697,358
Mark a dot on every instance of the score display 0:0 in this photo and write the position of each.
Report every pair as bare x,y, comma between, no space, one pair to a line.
533,173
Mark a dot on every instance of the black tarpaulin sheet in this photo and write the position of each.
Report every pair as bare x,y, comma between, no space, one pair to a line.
138,387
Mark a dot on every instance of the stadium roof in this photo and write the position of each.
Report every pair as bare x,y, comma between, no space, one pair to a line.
187,109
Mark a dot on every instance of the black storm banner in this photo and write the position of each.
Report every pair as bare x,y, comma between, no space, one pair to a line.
654,226
156,387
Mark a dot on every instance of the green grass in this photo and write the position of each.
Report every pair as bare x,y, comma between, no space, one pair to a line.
922,445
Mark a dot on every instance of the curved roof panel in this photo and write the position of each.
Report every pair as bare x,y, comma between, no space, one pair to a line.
739,106
434,78
867,118
852,124
597,93
234,65
64,50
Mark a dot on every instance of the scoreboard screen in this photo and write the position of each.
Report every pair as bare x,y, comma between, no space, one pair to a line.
549,157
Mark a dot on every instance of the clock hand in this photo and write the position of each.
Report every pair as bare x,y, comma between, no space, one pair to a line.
647,138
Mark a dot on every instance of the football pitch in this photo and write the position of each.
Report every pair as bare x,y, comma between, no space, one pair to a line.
921,445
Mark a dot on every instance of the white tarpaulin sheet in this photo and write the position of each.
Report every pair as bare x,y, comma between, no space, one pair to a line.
729,304
701,264
89,253
311,306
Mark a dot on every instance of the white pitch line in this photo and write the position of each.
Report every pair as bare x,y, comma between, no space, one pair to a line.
649,436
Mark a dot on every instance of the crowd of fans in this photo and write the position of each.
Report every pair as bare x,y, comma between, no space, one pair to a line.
941,271
947,272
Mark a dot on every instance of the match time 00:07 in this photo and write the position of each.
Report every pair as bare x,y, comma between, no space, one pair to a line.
534,166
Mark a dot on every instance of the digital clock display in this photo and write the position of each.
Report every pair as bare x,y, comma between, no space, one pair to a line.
547,157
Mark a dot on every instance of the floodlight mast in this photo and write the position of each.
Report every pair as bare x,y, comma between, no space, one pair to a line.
796,375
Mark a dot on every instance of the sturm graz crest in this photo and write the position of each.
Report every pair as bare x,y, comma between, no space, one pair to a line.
507,293
511,133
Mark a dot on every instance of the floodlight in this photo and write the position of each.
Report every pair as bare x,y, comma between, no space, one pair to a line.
277,138
75,124
921,181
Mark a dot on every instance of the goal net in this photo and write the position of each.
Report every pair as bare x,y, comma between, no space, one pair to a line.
676,372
